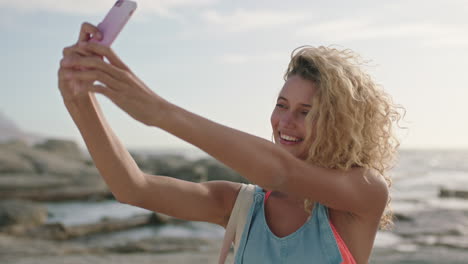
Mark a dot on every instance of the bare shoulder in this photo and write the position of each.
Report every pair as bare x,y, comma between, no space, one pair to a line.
376,189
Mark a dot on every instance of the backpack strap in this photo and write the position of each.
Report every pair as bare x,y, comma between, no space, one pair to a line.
237,221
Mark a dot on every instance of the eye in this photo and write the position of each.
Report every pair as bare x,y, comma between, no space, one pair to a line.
280,105
304,112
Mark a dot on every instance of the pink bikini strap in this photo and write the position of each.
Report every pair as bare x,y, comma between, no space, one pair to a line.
266,196
345,253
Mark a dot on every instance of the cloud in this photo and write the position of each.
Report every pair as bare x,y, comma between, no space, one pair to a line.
432,34
450,41
233,58
93,7
242,20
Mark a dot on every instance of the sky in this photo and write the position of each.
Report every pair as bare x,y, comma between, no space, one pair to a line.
225,60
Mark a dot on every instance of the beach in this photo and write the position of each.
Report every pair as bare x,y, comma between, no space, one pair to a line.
31,251
58,210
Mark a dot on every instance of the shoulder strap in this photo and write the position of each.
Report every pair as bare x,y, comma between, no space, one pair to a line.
237,220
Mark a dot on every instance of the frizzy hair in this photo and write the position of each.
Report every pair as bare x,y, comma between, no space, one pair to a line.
352,119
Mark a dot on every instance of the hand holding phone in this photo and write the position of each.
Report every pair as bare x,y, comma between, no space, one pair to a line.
114,21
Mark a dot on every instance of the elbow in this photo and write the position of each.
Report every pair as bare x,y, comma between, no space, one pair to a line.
130,194
124,199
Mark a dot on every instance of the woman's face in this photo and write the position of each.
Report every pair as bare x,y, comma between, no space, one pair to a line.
288,117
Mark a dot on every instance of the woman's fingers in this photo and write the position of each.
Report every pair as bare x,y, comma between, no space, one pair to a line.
68,89
74,49
88,32
97,88
104,51
91,76
73,83
72,56
77,62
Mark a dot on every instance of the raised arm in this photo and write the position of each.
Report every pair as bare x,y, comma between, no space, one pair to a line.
210,202
359,191
182,199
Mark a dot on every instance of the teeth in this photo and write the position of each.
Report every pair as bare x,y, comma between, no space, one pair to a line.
289,138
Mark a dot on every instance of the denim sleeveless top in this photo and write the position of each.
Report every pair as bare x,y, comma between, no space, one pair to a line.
313,242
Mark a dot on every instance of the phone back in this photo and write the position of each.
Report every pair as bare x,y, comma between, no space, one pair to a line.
115,20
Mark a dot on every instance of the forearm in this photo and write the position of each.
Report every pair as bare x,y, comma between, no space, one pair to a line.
257,159
114,162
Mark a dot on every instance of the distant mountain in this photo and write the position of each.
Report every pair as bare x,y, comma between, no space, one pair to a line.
10,131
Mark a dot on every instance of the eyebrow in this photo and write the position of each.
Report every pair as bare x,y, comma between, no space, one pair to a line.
281,97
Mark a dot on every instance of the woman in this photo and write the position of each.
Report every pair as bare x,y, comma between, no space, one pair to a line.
325,171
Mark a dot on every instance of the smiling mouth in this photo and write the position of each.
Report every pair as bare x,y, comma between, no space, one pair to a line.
289,138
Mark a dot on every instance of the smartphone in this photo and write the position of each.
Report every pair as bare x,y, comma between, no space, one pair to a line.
115,20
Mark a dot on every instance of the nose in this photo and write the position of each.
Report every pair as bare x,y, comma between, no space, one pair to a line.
287,120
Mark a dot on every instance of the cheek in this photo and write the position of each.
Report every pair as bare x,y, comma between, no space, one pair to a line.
274,119
302,125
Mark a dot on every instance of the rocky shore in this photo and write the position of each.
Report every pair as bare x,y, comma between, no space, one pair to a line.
431,212
157,250
55,171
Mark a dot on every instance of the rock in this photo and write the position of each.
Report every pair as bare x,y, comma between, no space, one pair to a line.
55,170
45,162
206,169
422,254
52,187
21,247
215,170
64,148
109,225
163,245
19,215
57,231
33,251
454,193
401,217
14,143
61,194
50,171
53,231
12,162
453,242
18,182
436,222
165,165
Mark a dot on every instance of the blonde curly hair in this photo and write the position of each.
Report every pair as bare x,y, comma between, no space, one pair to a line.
352,119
